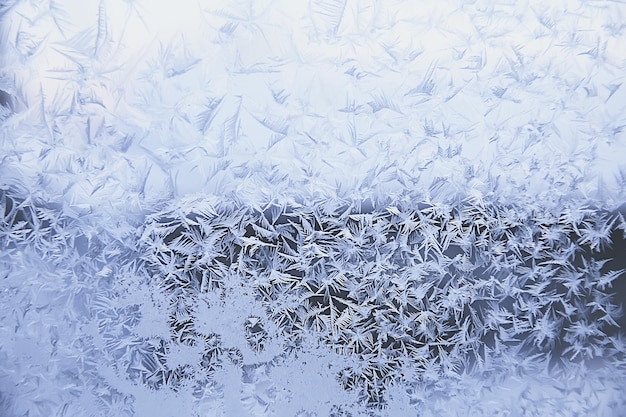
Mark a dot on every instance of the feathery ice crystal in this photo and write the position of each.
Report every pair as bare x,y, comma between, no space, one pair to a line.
331,208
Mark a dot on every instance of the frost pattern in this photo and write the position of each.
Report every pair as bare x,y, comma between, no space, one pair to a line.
330,208
441,290
123,105
242,311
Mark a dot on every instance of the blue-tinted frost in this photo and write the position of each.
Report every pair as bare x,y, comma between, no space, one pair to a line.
330,208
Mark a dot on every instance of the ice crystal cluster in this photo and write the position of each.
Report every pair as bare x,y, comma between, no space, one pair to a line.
312,208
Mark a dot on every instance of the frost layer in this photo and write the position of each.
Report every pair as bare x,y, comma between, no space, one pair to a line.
324,208
233,310
121,105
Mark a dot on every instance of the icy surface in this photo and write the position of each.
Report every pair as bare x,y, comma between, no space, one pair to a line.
326,207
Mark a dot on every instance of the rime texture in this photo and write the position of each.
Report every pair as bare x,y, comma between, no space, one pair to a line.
330,208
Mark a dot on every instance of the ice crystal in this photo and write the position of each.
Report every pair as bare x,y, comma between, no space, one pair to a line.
326,208
390,289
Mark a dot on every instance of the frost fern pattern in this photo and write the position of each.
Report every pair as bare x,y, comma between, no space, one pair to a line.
449,289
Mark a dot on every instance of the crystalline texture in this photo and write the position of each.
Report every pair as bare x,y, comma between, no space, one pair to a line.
323,208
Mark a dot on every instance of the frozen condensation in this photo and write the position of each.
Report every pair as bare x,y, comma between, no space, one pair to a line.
316,208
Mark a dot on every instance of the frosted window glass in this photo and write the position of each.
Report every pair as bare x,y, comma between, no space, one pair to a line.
320,208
